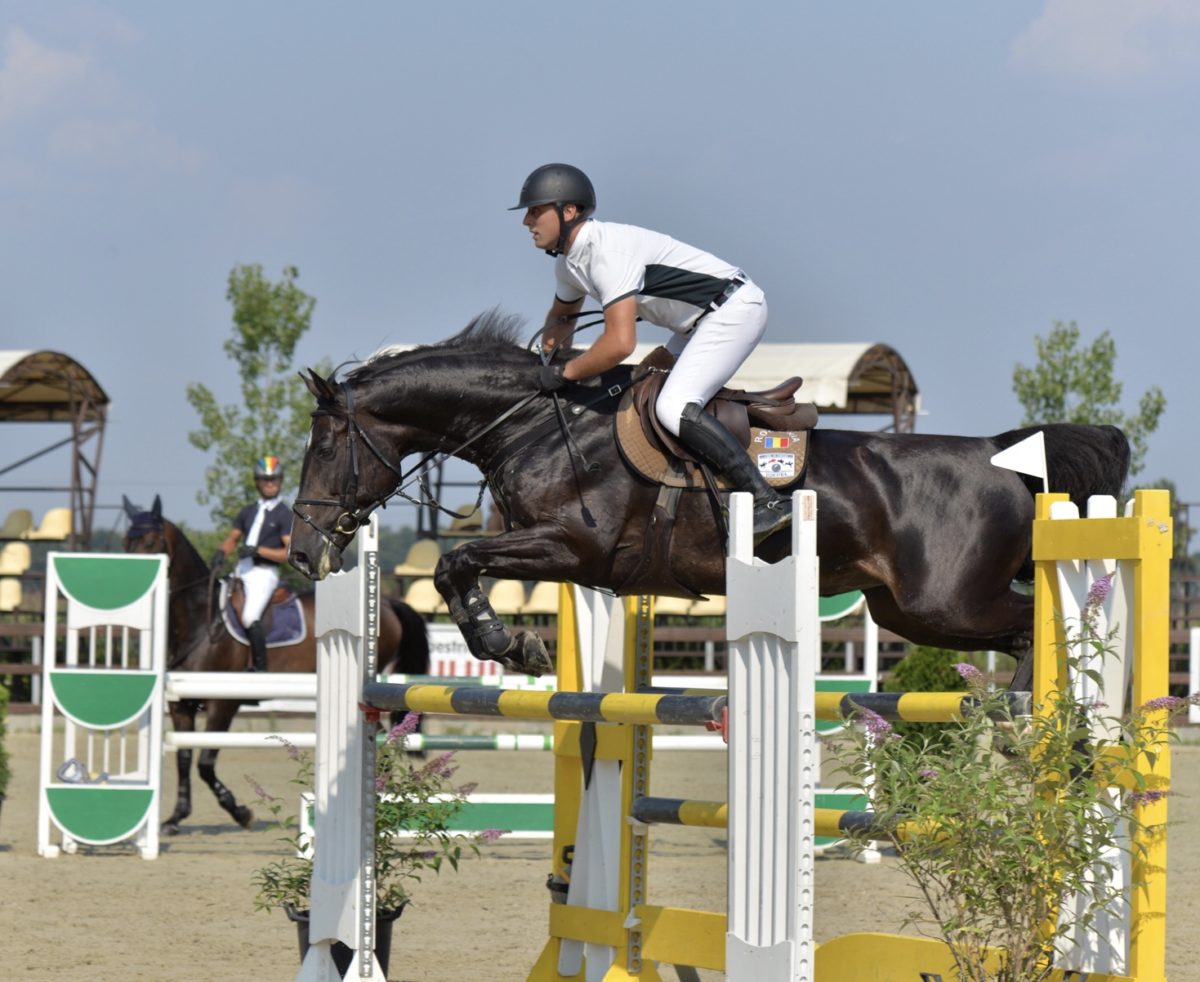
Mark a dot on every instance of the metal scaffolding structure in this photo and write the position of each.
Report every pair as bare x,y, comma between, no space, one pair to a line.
51,387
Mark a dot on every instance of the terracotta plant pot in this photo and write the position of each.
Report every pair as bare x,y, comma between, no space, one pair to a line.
342,956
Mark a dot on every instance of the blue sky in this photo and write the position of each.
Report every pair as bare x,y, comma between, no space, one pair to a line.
946,178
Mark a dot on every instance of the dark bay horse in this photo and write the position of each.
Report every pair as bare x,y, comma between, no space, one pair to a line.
192,615
929,530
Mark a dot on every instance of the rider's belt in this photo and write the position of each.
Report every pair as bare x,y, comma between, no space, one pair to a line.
734,284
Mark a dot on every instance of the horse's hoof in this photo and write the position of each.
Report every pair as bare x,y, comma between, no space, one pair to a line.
243,816
169,828
528,656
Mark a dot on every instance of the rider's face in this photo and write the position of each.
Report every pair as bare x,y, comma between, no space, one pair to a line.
542,222
268,487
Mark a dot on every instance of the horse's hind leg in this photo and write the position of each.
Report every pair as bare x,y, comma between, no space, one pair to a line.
220,715
208,771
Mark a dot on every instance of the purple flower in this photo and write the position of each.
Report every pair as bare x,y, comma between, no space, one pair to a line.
441,765
1147,797
468,789
970,674
1169,703
1099,592
263,793
490,835
405,727
875,724
928,773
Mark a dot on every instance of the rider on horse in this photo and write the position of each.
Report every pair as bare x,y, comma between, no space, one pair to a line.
716,313
266,525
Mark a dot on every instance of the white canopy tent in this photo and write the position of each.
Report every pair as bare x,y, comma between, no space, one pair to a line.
840,379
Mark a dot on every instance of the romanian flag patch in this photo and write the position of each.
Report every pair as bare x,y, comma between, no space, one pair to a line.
776,442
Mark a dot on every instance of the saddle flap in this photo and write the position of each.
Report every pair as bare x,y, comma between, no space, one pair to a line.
233,594
759,420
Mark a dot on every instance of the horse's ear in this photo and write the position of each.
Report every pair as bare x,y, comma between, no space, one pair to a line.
156,508
131,510
320,387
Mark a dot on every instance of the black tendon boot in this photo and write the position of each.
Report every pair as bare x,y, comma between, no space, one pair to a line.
704,436
258,647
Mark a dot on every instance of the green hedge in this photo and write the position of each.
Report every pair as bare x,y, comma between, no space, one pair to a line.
927,670
5,773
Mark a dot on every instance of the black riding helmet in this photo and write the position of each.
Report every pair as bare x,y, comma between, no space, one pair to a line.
558,185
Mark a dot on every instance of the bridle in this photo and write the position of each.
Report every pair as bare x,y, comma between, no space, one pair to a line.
139,529
353,515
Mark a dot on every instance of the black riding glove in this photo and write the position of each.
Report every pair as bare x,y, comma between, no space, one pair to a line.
247,552
218,559
550,378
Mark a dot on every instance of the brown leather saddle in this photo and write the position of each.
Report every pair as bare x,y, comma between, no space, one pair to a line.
771,425
236,597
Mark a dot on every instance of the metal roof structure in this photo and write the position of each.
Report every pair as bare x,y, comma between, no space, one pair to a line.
51,387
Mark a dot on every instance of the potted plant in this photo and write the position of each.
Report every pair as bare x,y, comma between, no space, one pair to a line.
417,802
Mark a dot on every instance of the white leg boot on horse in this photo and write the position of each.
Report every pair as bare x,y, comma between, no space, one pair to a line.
704,436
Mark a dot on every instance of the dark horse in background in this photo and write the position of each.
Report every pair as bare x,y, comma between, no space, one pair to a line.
931,532
197,641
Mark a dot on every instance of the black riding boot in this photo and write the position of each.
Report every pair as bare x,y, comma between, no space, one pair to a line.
258,647
704,436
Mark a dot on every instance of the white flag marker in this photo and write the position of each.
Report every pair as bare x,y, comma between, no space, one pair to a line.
1026,457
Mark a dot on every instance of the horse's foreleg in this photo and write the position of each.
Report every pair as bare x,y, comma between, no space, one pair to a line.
208,771
527,554
182,721
488,639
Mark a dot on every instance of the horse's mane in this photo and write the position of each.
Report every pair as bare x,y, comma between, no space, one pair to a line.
491,335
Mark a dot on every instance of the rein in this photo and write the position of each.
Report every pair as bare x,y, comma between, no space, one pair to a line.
353,516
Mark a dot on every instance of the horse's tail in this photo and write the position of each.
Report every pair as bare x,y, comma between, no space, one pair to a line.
1082,460
412,657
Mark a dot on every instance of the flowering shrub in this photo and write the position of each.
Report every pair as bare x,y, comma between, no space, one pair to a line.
417,799
999,825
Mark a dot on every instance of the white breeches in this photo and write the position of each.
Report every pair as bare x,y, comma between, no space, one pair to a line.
711,355
259,583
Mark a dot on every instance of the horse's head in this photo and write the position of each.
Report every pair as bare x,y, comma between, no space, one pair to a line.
146,532
345,476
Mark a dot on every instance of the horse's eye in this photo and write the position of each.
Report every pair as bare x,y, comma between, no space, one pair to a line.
325,452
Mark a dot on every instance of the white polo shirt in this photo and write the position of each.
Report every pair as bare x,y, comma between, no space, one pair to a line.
674,283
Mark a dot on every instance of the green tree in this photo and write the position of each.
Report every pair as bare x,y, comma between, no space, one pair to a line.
272,417
1075,384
